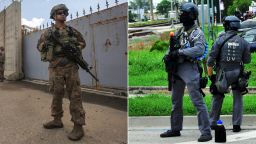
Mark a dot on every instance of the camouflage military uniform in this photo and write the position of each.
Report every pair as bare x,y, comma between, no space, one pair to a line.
63,72
2,59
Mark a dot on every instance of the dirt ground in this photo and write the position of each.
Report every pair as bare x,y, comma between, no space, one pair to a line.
23,110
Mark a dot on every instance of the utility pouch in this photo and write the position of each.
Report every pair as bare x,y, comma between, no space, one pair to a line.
243,81
221,82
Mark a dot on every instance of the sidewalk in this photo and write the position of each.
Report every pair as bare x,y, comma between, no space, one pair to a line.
146,130
24,109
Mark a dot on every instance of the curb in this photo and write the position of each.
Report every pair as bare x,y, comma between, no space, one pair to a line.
164,89
188,122
106,98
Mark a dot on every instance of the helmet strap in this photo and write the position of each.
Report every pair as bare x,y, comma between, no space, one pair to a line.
188,24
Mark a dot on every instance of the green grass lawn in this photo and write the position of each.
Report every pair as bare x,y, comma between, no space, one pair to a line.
160,105
147,69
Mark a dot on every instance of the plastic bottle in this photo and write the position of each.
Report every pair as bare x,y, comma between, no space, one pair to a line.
220,132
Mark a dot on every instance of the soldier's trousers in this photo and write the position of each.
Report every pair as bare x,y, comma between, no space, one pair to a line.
217,102
188,75
1,71
61,78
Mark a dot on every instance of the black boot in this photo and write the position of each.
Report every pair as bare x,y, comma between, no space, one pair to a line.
236,128
213,127
170,133
204,138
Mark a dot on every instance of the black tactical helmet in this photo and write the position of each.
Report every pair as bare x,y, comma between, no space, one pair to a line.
188,12
231,23
58,7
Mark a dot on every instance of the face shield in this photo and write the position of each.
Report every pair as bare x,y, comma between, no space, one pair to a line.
184,17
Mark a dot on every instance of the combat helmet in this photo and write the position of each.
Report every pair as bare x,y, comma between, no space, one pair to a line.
231,23
58,7
188,12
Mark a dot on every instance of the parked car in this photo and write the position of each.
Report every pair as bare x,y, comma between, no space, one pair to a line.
248,32
250,36
250,23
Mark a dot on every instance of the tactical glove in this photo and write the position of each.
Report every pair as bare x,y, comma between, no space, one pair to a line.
174,54
166,58
213,78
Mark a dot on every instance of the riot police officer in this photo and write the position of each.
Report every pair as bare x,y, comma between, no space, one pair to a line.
228,54
192,45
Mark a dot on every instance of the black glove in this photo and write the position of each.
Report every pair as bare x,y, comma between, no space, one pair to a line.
213,78
203,82
166,58
174,54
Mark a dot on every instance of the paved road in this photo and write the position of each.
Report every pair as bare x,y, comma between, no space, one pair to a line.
24,109
146,130
157,29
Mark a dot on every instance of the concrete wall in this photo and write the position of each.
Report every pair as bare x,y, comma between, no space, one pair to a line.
105,33
10,39
2,23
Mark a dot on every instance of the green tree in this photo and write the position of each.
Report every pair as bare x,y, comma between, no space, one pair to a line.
164,7
227,3
243,6
132,16
139,4
132,5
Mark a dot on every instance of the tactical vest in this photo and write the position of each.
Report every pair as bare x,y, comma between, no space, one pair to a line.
187,39
232,51
53,49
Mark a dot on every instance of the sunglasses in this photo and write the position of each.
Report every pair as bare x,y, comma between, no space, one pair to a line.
62,13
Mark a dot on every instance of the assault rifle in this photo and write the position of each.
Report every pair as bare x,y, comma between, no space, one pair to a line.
170,63
73,54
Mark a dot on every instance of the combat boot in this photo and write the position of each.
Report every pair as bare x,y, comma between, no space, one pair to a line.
170,133
77,133
56,123
205,138
236,128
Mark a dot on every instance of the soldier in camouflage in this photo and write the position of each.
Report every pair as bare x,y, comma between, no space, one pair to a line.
2,59
62,71
192,45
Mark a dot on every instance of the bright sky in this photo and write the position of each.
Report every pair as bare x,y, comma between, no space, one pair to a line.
155,2
37,12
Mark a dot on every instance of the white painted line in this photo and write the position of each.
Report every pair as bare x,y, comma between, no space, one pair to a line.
230,138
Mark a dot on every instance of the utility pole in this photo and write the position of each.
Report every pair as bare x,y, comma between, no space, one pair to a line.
176,7
171,5
202,9
212,13
151,10
209,20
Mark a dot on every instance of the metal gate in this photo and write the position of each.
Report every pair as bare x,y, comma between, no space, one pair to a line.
105,33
